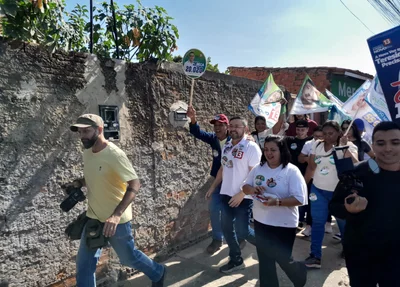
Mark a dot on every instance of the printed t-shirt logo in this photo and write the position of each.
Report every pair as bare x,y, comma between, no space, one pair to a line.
259,179
324,170
271,182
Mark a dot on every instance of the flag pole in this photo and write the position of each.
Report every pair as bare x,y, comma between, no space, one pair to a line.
191,93
352,120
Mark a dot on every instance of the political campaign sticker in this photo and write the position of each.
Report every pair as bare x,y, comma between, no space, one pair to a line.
271,182
235,150
194,63
324,170
259,179
227,149
293,146
313,196
215,153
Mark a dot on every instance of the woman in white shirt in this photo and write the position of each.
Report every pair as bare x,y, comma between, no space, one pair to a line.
278,188
262,131
322,169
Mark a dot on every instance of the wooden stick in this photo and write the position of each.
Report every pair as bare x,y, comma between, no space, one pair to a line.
191,93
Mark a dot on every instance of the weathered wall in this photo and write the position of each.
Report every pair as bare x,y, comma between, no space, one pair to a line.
40,95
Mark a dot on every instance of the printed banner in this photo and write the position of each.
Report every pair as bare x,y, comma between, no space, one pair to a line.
376,100
337,114
385,52
356,103
309,100
266,102
334,99
357,108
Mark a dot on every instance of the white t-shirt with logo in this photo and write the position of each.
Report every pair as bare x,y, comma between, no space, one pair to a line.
260,137
236,162
279,183
325,175
307,147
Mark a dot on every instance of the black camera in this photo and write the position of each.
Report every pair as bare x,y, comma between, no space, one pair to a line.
350,177
75,195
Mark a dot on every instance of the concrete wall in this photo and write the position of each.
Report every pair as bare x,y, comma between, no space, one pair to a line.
40,96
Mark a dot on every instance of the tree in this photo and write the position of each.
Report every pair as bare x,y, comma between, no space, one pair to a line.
210,67
35,21
177,59
139,33
143,32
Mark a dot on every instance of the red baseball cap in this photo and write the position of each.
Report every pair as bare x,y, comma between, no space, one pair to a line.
221,118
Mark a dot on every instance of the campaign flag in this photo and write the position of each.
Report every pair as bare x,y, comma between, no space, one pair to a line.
337,114
309,100
357,108
266,102
385,52
334,99
376,100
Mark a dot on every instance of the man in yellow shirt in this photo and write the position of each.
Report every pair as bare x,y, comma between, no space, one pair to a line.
112,185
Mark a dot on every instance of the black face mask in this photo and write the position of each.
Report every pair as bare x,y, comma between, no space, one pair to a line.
88,143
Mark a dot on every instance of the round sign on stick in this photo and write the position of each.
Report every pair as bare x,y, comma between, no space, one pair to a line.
194,65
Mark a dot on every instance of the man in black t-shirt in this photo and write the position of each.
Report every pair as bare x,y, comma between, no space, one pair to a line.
296,144
372,235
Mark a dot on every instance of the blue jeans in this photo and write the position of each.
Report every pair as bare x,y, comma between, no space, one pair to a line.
236,226
320,211
215,214
124,246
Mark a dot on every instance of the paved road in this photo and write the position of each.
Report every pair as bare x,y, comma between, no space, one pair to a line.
192,267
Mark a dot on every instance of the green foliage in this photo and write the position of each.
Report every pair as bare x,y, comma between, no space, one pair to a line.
78,39
37,21
140,33
210,67
177,59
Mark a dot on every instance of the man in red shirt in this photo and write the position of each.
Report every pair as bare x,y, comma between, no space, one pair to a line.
291,131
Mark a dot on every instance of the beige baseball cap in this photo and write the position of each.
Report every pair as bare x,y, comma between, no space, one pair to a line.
87,120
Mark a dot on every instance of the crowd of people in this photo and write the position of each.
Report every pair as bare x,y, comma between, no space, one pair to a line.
286,178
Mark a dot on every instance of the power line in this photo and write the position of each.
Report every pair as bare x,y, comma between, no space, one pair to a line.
356,17
388,9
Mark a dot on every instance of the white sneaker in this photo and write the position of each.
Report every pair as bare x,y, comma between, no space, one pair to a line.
328,228
307,231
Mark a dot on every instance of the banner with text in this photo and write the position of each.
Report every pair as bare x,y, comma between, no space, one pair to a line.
385,51
309,100
266,102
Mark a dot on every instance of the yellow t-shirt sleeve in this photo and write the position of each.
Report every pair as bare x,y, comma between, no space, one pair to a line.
123,167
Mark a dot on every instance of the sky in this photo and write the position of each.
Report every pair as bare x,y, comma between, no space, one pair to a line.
271,33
